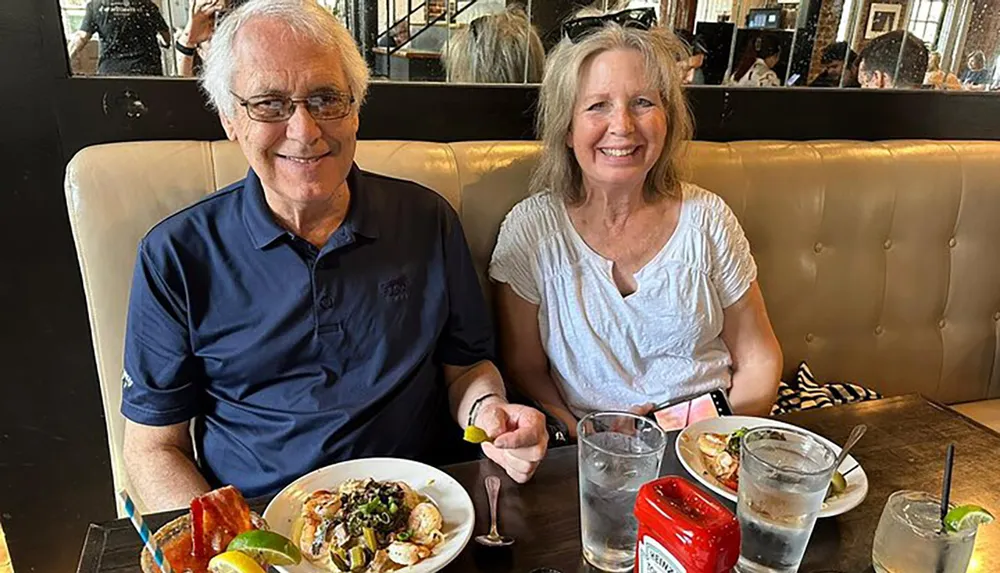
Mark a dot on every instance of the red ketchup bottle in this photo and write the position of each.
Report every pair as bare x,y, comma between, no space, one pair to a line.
682,529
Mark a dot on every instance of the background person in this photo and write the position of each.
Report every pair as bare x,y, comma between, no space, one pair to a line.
894,60
838,61
131,33
938,78
976,75
756,67
693,72
499,48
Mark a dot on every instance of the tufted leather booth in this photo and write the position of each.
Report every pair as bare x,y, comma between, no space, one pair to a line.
879,262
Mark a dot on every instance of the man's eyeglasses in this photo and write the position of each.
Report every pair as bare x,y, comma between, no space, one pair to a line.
641,18
323,106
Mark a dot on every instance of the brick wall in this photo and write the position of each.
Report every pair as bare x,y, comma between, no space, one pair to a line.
826,32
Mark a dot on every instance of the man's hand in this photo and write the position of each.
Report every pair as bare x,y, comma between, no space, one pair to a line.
520,439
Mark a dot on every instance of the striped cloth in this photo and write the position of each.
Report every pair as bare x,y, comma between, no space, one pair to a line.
805,394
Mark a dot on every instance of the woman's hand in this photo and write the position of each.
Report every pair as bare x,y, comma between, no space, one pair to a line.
201,23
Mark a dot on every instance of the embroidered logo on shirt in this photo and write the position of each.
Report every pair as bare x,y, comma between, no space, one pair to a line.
126,380
396,288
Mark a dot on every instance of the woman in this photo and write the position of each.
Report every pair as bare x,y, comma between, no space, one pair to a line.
501,48
937,77
976,76
620,286
756,68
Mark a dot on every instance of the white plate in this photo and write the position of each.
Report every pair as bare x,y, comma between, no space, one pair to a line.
451,498
691,459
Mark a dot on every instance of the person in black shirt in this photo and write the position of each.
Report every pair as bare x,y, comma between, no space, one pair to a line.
835,58
128,31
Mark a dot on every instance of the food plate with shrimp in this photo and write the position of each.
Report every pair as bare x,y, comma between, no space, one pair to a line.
374,515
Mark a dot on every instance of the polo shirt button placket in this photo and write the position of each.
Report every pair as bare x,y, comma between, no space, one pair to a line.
325,303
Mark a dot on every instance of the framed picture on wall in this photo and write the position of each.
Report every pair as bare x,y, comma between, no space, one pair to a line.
882,19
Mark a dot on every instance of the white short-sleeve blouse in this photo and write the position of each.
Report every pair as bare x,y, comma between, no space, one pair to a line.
663,341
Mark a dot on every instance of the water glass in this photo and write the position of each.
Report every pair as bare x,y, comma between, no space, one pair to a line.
784,475
618,453
910,539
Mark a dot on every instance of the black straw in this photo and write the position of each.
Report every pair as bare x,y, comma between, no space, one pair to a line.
946,487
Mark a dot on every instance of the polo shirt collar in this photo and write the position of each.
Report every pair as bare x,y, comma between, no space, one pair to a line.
264,230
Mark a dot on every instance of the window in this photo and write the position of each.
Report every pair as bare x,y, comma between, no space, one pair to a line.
72,14
926,17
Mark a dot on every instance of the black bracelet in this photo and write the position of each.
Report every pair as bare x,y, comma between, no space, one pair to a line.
475,406
186,50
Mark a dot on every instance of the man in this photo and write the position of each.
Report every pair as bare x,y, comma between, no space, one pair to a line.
894,60
692,69
396,36
128,30
833,60
312,312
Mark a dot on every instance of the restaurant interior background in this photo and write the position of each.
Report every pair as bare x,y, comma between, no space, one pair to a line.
54,467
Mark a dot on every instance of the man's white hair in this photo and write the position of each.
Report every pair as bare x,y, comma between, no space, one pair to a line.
304,19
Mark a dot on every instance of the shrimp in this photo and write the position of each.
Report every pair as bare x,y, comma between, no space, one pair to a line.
317,511
314,539
323,504
380,563
403,553
411,499
425,524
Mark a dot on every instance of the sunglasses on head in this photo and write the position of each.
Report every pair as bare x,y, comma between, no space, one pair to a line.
640,18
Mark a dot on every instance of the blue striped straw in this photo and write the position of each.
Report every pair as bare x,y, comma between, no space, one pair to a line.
144,534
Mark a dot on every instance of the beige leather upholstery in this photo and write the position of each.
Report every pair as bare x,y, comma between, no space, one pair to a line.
878,261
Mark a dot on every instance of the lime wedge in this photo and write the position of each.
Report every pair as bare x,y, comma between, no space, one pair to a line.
476,435
266,547
837,485
234,562
965,517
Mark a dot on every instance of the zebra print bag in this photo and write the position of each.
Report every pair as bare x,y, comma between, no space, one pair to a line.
805,394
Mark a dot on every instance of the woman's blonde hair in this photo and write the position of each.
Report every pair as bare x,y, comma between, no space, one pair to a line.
501,48
558,170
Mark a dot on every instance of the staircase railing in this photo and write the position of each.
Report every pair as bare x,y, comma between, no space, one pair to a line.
427,25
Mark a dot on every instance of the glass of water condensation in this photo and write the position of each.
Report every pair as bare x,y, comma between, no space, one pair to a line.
909,538
784,475
618,453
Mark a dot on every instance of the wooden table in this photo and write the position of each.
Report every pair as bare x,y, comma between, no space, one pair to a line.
903,449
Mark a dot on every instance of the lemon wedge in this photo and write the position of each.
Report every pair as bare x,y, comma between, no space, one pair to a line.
234,562
476,435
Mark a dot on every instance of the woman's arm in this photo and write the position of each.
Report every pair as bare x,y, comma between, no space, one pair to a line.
524,358
199,29
755,353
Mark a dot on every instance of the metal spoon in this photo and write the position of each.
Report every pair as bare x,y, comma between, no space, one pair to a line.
856,434
493,538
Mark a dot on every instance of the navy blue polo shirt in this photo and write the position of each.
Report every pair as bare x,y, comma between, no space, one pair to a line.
290,357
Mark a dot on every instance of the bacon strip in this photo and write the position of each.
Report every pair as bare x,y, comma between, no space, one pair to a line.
217,517
197,528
